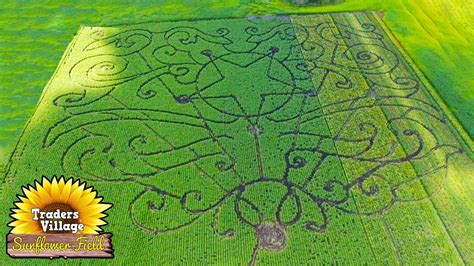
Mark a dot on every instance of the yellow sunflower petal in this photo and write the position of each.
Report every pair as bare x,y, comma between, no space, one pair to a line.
97,215
61,183
93,221
26,228
87,197
75,185
46,185
26,200
22,216
55,193
32,196
45,197
16,223
93,209
75,196
95,201
24,207
91,230
66,191
18,210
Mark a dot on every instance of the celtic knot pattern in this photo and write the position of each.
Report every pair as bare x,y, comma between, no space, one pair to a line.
267,124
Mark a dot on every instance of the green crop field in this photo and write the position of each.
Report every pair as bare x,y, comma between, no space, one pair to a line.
302,139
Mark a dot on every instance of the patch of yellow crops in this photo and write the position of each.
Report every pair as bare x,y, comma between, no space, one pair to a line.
437,34
442,20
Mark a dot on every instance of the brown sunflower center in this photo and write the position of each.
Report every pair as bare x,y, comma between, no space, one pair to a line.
65,216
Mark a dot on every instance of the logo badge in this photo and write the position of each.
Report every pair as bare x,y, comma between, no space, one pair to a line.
59,218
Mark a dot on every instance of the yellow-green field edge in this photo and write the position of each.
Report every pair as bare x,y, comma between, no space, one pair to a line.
450,210
461,135
449,204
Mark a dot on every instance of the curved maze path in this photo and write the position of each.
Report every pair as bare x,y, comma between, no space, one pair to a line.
249,140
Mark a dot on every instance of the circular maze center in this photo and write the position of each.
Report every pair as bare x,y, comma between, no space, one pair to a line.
271,236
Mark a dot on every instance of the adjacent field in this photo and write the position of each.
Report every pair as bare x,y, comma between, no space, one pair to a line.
260,140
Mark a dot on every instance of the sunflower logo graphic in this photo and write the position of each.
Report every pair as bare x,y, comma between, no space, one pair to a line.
58,206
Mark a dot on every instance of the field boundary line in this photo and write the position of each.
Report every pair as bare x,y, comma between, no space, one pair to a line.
394,243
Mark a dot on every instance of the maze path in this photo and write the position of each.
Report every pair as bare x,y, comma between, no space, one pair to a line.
276,138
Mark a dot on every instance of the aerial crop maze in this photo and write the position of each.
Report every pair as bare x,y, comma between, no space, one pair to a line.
265,123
